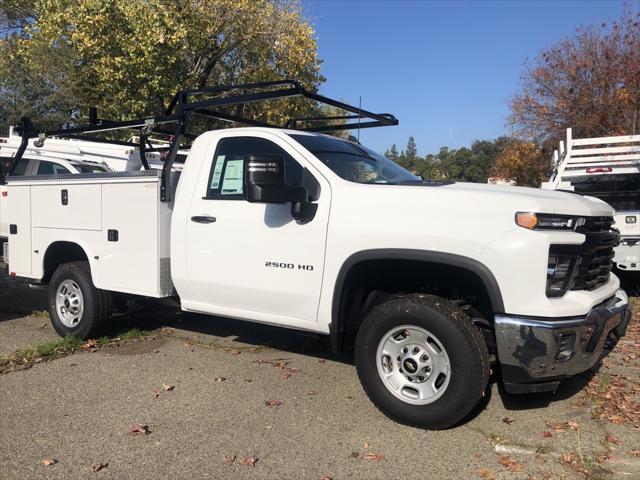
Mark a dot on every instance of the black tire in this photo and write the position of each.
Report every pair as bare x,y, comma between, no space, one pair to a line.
96,302
464,345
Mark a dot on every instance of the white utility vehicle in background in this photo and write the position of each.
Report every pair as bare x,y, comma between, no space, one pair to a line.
434,283
607,168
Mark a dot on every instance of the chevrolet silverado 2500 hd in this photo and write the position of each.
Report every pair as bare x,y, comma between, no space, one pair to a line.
434,281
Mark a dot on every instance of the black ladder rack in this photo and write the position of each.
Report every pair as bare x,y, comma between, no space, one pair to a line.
174,122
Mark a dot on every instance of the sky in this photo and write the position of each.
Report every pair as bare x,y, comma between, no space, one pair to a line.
445,69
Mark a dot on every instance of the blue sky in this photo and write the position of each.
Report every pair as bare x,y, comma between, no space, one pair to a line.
445,69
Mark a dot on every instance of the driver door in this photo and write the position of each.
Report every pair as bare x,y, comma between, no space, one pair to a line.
254,260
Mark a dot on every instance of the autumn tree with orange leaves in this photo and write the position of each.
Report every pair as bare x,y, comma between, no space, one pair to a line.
589,82
522,163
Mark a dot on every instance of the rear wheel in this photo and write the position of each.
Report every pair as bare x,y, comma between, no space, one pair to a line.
76,307
421,361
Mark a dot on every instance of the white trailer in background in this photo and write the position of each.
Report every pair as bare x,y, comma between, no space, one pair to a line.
607,168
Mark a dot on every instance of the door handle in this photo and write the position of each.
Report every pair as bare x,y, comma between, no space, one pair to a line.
203,219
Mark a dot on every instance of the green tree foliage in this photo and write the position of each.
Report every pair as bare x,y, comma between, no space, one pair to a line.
464,164
392,153
128,57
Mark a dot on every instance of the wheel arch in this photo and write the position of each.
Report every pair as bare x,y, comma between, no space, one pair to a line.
60,252
425,259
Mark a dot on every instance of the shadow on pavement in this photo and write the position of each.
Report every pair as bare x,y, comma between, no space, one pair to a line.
151,315
529,401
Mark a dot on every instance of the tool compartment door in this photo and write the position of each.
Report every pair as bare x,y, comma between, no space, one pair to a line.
19,226
73,206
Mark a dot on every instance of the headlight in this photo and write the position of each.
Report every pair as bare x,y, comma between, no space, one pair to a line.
547,221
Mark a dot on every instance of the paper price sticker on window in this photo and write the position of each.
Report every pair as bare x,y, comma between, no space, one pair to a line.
232,181
217,170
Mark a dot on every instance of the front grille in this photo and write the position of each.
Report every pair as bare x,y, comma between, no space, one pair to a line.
596,253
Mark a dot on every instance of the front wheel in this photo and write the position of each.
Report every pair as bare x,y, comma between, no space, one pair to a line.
76,307
421,361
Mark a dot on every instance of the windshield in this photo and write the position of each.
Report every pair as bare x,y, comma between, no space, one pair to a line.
621,191
89,168
354,162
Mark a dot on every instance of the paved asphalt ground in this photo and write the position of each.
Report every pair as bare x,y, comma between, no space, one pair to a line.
78,410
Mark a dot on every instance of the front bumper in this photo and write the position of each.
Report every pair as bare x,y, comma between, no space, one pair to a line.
536,353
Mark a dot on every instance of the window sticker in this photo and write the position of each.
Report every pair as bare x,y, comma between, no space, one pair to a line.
217,170
232,181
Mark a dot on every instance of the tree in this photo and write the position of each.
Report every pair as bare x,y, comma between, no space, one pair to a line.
392,153
128,58
590,82
522,163
463,164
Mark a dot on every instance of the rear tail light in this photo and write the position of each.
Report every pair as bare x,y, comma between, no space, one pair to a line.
4,194
599,170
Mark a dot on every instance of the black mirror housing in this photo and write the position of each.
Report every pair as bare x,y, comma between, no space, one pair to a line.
264,181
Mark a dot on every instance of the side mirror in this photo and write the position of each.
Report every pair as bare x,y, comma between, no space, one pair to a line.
264,181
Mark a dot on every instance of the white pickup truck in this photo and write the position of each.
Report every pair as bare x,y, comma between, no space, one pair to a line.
607,168
433,282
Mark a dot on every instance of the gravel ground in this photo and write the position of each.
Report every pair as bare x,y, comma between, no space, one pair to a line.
78,410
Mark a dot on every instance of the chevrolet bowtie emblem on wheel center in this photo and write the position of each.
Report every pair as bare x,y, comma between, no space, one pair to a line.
410,365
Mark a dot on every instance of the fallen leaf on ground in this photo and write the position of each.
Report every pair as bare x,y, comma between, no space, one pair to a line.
374,457
510,464
273,403
156,393
562,426
612,439
219,379
251,461
229,459
96,467
166,330
485,473
573,425
366,445
49,461
168,388
507,420
547,434
326,477
570,459
89,344
634,453
139,428
236,352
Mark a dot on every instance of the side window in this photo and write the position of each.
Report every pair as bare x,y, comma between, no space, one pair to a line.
226,179
50,168
21,167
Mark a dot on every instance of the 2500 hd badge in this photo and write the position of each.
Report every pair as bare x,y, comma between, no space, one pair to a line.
291,266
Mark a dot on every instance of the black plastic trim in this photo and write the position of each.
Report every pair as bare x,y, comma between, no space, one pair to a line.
474,266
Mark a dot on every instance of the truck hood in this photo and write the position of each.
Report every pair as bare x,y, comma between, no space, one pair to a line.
532,199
